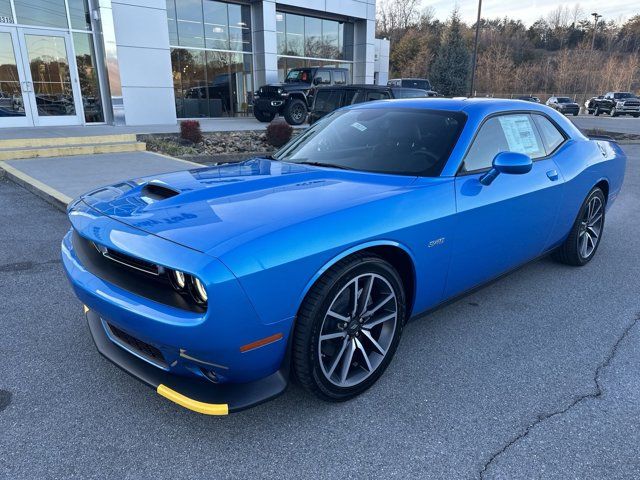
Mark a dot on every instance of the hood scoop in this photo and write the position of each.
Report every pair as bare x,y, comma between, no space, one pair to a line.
154,191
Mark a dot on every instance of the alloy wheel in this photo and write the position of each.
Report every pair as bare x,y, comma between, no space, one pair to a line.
357,330
591,227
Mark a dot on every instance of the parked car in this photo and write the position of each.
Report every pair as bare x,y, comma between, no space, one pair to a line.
328,99
419,83
590,105
564,105
293,98
616,103
213,285
529,98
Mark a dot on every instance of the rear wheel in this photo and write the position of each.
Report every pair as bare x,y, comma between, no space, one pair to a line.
636,115
263,116
348,328
583,240
295,112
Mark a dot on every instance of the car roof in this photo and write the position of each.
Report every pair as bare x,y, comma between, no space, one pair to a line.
355,86
474,106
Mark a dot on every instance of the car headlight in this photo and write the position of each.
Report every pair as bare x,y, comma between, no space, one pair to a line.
279,91
198,291
619,104
187,284
178,279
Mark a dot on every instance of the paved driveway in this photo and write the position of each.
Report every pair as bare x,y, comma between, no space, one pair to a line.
534,376
624,124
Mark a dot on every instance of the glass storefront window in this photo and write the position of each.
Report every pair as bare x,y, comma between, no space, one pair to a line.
209,24
190,23
11,104
79,14
88,76
6,15
301,36
41,13
294,28
312,37
211,83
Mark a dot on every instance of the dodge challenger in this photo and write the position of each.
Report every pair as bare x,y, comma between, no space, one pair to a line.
216,286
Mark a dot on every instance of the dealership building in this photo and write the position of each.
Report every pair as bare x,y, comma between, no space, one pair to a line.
150,62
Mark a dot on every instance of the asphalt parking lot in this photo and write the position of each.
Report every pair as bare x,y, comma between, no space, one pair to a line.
534,376
624,124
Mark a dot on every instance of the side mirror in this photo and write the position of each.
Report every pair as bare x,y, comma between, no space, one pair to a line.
507,162
317,81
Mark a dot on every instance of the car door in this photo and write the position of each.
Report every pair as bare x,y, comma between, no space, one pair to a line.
507,223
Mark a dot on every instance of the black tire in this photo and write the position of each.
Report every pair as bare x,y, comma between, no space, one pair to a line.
569,252
295,112
575,114
306,349
636,115
613,112
263,116
596,112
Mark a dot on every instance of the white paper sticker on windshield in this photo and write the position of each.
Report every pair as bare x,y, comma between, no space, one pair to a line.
518,130
359,126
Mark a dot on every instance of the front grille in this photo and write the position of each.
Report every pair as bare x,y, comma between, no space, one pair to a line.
144,349
129,261
269,90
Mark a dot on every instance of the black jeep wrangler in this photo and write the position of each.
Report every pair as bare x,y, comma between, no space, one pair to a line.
293,98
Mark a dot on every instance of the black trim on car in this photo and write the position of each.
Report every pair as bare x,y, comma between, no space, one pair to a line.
154,287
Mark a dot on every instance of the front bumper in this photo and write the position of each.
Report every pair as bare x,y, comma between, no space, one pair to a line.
271,105
197,394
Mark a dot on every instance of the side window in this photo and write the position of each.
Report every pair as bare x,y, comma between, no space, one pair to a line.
505,133
323,77
377,96
339,77
551,136
327,101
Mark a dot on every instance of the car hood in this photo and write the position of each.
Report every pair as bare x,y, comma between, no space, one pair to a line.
214,209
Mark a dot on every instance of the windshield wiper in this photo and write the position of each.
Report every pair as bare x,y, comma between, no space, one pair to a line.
330,165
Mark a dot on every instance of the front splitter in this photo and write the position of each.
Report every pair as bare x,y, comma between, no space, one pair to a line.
193,393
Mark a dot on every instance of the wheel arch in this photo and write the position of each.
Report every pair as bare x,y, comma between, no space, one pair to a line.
603,184
393,252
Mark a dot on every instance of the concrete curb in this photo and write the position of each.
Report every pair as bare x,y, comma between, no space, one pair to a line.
48,194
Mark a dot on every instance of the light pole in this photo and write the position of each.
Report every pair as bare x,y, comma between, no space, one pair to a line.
596,16
475,50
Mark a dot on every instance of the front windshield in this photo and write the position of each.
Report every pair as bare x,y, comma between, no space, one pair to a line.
401,141
564,100
299,75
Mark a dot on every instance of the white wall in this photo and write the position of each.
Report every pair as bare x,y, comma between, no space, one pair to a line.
142,40
381,63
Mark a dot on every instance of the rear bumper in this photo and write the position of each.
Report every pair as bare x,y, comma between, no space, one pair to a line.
197,394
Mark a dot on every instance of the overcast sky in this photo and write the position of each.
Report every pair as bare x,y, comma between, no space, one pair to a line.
530,10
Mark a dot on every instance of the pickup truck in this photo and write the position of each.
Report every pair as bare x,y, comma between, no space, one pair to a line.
615,103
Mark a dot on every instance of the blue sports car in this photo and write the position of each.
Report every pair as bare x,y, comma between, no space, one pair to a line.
216,285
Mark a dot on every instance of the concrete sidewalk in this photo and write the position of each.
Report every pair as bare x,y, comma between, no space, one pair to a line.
206,124
59,180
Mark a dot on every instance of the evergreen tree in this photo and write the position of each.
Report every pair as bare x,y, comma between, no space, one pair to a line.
450,70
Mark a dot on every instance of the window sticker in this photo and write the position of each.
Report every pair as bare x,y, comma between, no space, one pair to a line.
518,130
359,126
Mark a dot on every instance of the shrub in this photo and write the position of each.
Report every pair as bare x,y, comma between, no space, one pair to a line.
190,130
278,133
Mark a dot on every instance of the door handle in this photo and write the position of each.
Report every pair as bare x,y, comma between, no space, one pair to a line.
553,175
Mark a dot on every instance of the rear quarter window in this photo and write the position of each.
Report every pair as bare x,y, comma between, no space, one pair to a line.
327,101
552,138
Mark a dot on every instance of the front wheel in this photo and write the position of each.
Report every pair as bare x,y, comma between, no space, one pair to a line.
583,240
596,112
613,112
348,328
263,116
295,112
